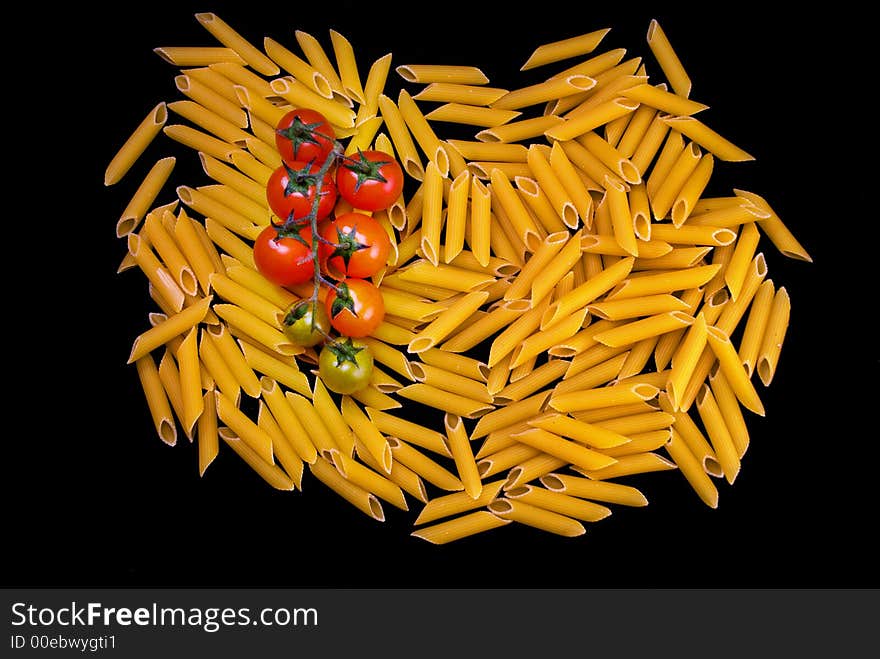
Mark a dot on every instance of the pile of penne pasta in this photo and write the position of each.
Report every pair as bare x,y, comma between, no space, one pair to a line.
566,306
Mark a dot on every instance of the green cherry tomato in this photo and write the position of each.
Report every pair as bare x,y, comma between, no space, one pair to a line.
345,366
306,324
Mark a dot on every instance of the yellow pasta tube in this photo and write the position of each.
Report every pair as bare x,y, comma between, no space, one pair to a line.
257,329
450,92
311,422
753,334
628,465
552,186
592,435
432,213
422,132
447,73
621,217
685,359
734,310
234,359
232,39
207,432
175,325
251,434
460,447
635,307
523,327
555,445
731,411
550,89
543,340
663,196
144,196
610,157
692,189
190,380
556,51
516,131
480,222
403,140
452,382
445,401
243,297
297,67
600,115
214,103
373,87
460,527
367,433
472,115
300,95
268,471
212,121
775,228
743,253
663,100
774,335
458,502
158,275
224,379
200,141
288,422
364,501
571,182
285,372
692,470
157,399
408,431
239,75
423,466
446,323
638,330
668,60
236,180
563,262
499,317
536,379
136,144
585,488
197,55
290,461
707,138
347,67
733,370
370,480
544,254
664,282
582,295
558,502
539,518
618,394
719,436
170,253
509,415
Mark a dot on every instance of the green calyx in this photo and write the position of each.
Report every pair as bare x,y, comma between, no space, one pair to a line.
342,301
291,229
366,169
297,312
344,351
347,244
299,180
300,133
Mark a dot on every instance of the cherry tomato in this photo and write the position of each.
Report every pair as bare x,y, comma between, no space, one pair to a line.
356,308
304,135
306,324
284,260
362,246
345,366
370,180
291,191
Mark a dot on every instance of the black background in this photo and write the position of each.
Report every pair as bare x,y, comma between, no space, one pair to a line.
93,498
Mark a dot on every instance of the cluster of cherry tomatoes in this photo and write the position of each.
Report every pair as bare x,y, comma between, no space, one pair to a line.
351,245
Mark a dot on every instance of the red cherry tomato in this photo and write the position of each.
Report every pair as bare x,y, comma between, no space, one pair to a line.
291,191
362,246
284,260
304,135
370,180
356,308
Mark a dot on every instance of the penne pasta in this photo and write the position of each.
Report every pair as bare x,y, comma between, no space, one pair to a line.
136,144
538,518
144,196
668,60
460,527
774,335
